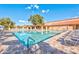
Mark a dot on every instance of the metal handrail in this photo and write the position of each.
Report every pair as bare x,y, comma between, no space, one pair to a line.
28,40
28,45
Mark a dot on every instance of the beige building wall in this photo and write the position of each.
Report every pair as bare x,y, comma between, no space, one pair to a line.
70,27
61,28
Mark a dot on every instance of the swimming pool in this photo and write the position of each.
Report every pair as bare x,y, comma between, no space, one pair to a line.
30,38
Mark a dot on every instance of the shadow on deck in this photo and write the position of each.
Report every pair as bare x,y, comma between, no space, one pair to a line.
16,48
47,49
12,42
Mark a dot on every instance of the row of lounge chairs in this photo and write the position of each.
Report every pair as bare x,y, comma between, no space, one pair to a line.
71,38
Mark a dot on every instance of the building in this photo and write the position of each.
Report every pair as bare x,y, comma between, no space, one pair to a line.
67,24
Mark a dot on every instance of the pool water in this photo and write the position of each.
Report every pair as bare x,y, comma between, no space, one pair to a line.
30,38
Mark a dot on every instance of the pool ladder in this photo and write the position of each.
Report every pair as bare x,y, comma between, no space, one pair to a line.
30,46
28,41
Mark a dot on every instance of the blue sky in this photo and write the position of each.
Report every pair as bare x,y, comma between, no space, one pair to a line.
51,12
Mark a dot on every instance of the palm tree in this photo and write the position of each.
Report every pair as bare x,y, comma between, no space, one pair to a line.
36,19
7,23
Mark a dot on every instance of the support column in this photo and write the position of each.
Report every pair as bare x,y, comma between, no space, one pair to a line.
35,28
27,28
23,27
46,29
16,28
42,29
74,27
67,27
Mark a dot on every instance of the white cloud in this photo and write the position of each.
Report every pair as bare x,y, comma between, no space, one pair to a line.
45,11
75,17
32,6
36,6
22,21
28,7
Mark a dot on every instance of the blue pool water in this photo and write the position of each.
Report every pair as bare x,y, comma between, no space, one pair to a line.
31,38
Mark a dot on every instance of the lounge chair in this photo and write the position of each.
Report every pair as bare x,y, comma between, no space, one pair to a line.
69,42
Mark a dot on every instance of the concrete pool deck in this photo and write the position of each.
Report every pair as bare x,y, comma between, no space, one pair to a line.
9,44
67,49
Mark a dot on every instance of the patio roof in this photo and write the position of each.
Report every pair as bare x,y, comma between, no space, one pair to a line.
73,21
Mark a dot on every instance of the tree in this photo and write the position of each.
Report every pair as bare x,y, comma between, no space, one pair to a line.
36,19
7,23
